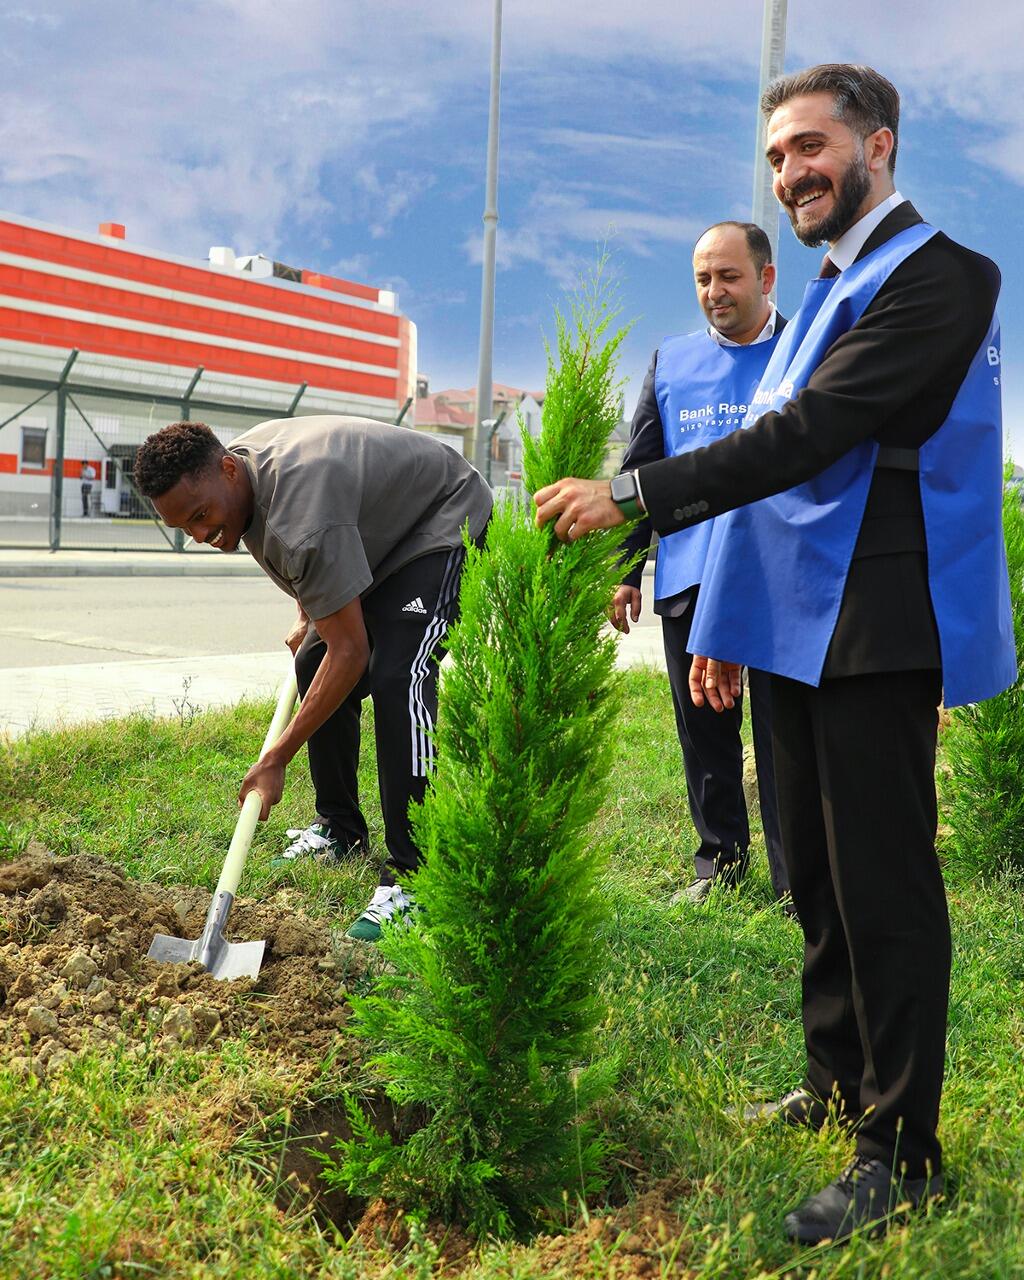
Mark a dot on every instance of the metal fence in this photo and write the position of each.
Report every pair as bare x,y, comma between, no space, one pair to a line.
69,450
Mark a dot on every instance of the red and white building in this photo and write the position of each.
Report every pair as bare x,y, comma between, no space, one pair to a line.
143,323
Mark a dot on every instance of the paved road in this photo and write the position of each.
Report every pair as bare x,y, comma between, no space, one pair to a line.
74,649
87,648
62,621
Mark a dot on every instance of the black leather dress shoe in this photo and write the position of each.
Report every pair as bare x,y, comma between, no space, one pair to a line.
799,1107
867,1196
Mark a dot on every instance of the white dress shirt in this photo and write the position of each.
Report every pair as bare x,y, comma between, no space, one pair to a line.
843,251
767,332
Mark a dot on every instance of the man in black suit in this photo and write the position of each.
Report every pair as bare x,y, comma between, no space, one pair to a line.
854,739
734,277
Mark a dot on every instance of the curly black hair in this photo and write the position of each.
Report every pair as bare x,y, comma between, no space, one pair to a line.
181,449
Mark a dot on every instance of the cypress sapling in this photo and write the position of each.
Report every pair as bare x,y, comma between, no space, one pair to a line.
486,1024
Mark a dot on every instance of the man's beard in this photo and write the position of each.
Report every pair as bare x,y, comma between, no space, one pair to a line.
854,188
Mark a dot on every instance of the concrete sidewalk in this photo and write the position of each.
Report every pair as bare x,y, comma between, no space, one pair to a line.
51,697
34,698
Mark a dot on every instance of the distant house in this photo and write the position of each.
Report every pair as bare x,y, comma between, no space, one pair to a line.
439,416
451,414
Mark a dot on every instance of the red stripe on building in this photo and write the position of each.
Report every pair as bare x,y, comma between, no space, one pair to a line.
57,332
68,292
50,247
317,280
72,467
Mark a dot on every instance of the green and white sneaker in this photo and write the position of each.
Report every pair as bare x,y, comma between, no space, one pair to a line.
315,843
390,902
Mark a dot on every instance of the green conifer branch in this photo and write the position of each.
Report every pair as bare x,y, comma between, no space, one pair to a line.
983,789
486,1022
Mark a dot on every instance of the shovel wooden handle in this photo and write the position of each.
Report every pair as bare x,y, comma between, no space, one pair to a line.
238,850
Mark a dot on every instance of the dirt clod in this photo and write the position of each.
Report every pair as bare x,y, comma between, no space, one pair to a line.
102,1002
177,1023
92,926
79,969
39,1021
47,905
30,872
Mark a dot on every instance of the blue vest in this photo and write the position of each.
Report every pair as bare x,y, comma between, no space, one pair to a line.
777,568
703,391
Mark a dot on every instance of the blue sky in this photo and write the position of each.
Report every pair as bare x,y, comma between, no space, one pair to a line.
350,137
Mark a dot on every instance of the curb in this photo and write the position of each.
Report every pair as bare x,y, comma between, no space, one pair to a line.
177,568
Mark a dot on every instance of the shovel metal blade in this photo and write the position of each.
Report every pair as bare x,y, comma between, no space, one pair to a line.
222,959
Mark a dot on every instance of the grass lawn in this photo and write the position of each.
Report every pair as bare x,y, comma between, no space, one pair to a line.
138,1164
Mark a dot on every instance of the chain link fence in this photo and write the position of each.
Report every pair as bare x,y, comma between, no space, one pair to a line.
66,458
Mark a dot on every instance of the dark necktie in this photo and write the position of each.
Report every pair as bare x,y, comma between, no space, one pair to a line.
828,269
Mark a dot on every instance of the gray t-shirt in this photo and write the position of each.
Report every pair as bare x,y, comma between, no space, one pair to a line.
341,503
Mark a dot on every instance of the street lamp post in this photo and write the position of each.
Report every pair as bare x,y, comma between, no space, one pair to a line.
773,54
484,385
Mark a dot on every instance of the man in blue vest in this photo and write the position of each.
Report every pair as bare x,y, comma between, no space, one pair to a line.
862,563
698,389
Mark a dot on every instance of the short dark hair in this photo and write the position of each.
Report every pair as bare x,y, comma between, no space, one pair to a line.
758,244
180,449
864,99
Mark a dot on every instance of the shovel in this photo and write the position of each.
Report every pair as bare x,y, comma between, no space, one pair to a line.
211,949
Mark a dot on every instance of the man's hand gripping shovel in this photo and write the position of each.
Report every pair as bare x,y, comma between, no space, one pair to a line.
211,949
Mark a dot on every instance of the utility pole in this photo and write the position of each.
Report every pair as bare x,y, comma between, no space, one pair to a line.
773,54
484,384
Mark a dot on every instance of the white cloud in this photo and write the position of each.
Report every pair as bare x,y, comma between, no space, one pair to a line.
233,121
388,198
559,231
356,267
32,19
206,122
588,142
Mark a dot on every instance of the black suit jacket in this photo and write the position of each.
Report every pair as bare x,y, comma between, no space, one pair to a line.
647,444
894,377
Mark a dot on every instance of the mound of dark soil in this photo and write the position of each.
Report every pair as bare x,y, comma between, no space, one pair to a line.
74,933
643,1240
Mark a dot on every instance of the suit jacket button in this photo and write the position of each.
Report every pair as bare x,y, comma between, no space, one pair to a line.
677,514
702,506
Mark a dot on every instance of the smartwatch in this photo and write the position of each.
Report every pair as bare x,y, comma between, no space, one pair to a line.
626,497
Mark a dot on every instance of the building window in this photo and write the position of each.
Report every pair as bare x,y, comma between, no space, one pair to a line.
33,447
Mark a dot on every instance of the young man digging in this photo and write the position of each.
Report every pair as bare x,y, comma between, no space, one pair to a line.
360,522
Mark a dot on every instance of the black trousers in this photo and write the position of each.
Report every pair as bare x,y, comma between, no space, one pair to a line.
713,762
406,618
855,771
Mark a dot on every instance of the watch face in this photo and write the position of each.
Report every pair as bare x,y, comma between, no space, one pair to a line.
623,488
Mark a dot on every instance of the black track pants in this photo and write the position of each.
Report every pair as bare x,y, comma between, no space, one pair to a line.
406,620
